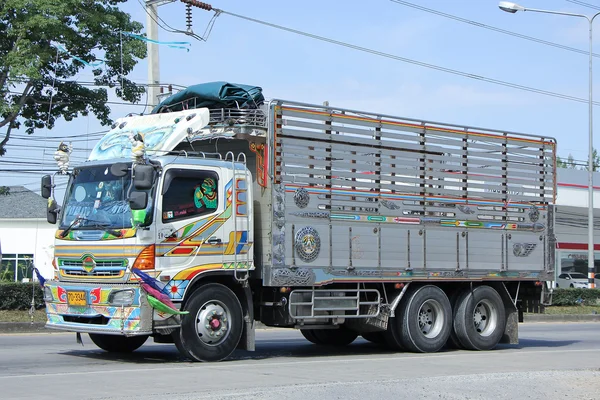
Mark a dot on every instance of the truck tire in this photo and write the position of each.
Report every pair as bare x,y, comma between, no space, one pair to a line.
453,342
424,321
117,343
309,334
374,337
480,319
213,328
330,337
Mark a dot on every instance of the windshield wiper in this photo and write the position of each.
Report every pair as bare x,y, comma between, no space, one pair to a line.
72,225
96,224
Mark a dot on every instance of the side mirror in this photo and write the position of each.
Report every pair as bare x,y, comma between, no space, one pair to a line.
52,211
138,200
143,177
46,186
119,169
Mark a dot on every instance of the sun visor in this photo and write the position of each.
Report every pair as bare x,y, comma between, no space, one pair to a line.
161,133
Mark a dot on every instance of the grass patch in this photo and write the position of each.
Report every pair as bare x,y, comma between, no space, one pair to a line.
22,316
40,315
572,310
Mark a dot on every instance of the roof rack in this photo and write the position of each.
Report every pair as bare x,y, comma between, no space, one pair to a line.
222,116
234,116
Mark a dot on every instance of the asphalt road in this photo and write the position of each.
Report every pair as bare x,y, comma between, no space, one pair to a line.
558,360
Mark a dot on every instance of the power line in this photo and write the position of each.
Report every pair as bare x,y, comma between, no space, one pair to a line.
94,84
581,3
61,137
122,103
493,28
64,139
170,29
411,61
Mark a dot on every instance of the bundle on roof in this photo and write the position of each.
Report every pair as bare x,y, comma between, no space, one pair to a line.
213,95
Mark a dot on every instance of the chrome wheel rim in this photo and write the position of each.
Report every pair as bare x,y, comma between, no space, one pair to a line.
485,318
430,318
213,322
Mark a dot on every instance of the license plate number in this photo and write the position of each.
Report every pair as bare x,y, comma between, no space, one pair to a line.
77,298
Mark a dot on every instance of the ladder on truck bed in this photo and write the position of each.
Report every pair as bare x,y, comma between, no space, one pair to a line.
241,266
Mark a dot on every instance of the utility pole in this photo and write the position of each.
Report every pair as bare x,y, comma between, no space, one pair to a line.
153,54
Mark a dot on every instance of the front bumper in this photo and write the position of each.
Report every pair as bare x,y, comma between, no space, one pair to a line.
97,315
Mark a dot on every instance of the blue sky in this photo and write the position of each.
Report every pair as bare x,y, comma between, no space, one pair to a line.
293,67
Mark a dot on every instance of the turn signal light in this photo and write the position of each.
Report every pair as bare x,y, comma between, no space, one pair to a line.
145,260
399,285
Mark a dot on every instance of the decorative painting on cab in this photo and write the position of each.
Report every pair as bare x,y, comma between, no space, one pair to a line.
190,195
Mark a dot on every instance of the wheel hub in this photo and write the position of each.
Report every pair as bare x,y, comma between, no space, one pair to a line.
212,323
484,319
430,318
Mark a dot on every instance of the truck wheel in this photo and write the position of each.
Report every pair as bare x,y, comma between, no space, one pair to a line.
424,321
117,343
374,337
330,337
453,342
309,334
213,328
480,318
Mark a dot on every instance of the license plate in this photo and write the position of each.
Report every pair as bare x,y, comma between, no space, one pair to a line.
77,298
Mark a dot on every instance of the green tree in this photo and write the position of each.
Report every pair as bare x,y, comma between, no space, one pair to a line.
570,162
32,69
595,161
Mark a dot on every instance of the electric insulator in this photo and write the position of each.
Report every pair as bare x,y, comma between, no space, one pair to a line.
204,6
198,4
188,17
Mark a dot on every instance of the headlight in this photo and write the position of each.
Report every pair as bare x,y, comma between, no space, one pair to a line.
121,297
48,294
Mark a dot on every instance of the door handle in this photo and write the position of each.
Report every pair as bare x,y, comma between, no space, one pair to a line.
214,240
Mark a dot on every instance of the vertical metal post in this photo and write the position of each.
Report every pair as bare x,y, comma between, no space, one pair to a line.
591,282
513,8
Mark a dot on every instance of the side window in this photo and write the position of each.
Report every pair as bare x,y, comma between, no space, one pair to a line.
189,194
562,276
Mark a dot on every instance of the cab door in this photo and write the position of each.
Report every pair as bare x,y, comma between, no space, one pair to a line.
190,222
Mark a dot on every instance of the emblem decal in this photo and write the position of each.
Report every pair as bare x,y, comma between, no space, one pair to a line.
308,244
88,263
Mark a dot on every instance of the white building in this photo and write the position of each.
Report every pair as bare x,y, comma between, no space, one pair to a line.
571,221
25,235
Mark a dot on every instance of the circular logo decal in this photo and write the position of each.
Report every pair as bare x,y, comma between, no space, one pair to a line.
308,244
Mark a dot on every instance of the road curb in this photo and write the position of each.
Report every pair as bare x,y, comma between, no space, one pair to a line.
22,327
561,318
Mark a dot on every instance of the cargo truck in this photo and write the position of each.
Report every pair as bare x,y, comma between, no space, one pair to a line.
340,223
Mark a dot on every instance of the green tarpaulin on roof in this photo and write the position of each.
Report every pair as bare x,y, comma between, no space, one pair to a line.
213,95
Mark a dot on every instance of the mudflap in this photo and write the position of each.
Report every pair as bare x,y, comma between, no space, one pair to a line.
511,332
248,339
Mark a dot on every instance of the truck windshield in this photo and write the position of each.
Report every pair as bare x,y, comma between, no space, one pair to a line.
96,199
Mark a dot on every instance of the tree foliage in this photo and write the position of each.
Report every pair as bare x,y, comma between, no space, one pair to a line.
582,165
33,71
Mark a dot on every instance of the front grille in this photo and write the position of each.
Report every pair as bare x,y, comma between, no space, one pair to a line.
103,269
93,273
79,263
